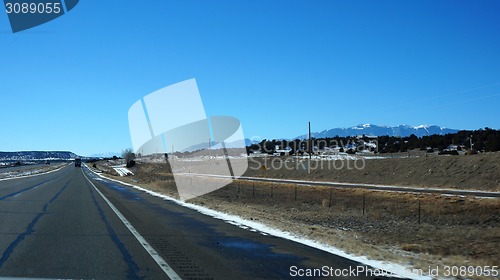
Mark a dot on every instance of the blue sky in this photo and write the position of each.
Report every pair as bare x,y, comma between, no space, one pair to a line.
275,65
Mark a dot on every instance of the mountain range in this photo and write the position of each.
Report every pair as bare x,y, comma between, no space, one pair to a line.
382,130
37,155
366,129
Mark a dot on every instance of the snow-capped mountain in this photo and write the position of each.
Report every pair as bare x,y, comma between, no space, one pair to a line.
376,130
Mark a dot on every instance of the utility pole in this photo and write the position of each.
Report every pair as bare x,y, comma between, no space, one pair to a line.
310,150
209,149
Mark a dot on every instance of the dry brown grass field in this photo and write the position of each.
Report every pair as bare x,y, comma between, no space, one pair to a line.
479,172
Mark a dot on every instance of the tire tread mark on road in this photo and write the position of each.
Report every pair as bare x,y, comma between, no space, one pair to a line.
30,229
32,187
133,268
175,257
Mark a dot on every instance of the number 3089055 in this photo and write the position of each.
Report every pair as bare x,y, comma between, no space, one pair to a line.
33,8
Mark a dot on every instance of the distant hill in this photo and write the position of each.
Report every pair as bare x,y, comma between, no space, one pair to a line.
37,155
376,130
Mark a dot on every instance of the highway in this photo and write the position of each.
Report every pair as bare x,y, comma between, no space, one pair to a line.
72,224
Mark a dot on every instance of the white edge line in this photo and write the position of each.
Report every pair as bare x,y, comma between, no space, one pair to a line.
395,268
151,251
33,175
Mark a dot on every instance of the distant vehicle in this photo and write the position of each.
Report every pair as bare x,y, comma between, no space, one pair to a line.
78,162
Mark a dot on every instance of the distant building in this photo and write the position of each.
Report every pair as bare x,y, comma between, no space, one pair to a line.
282,152
452,148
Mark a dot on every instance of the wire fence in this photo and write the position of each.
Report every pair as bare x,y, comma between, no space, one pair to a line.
411,207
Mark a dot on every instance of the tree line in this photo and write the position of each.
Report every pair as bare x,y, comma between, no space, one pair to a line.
483,140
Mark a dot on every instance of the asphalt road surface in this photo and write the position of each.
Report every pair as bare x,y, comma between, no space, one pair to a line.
63,225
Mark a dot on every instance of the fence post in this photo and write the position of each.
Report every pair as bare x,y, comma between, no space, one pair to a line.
295,197
419,208
364,203
238,187
330,200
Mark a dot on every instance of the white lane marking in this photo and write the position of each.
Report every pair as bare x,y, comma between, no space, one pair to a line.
151,251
